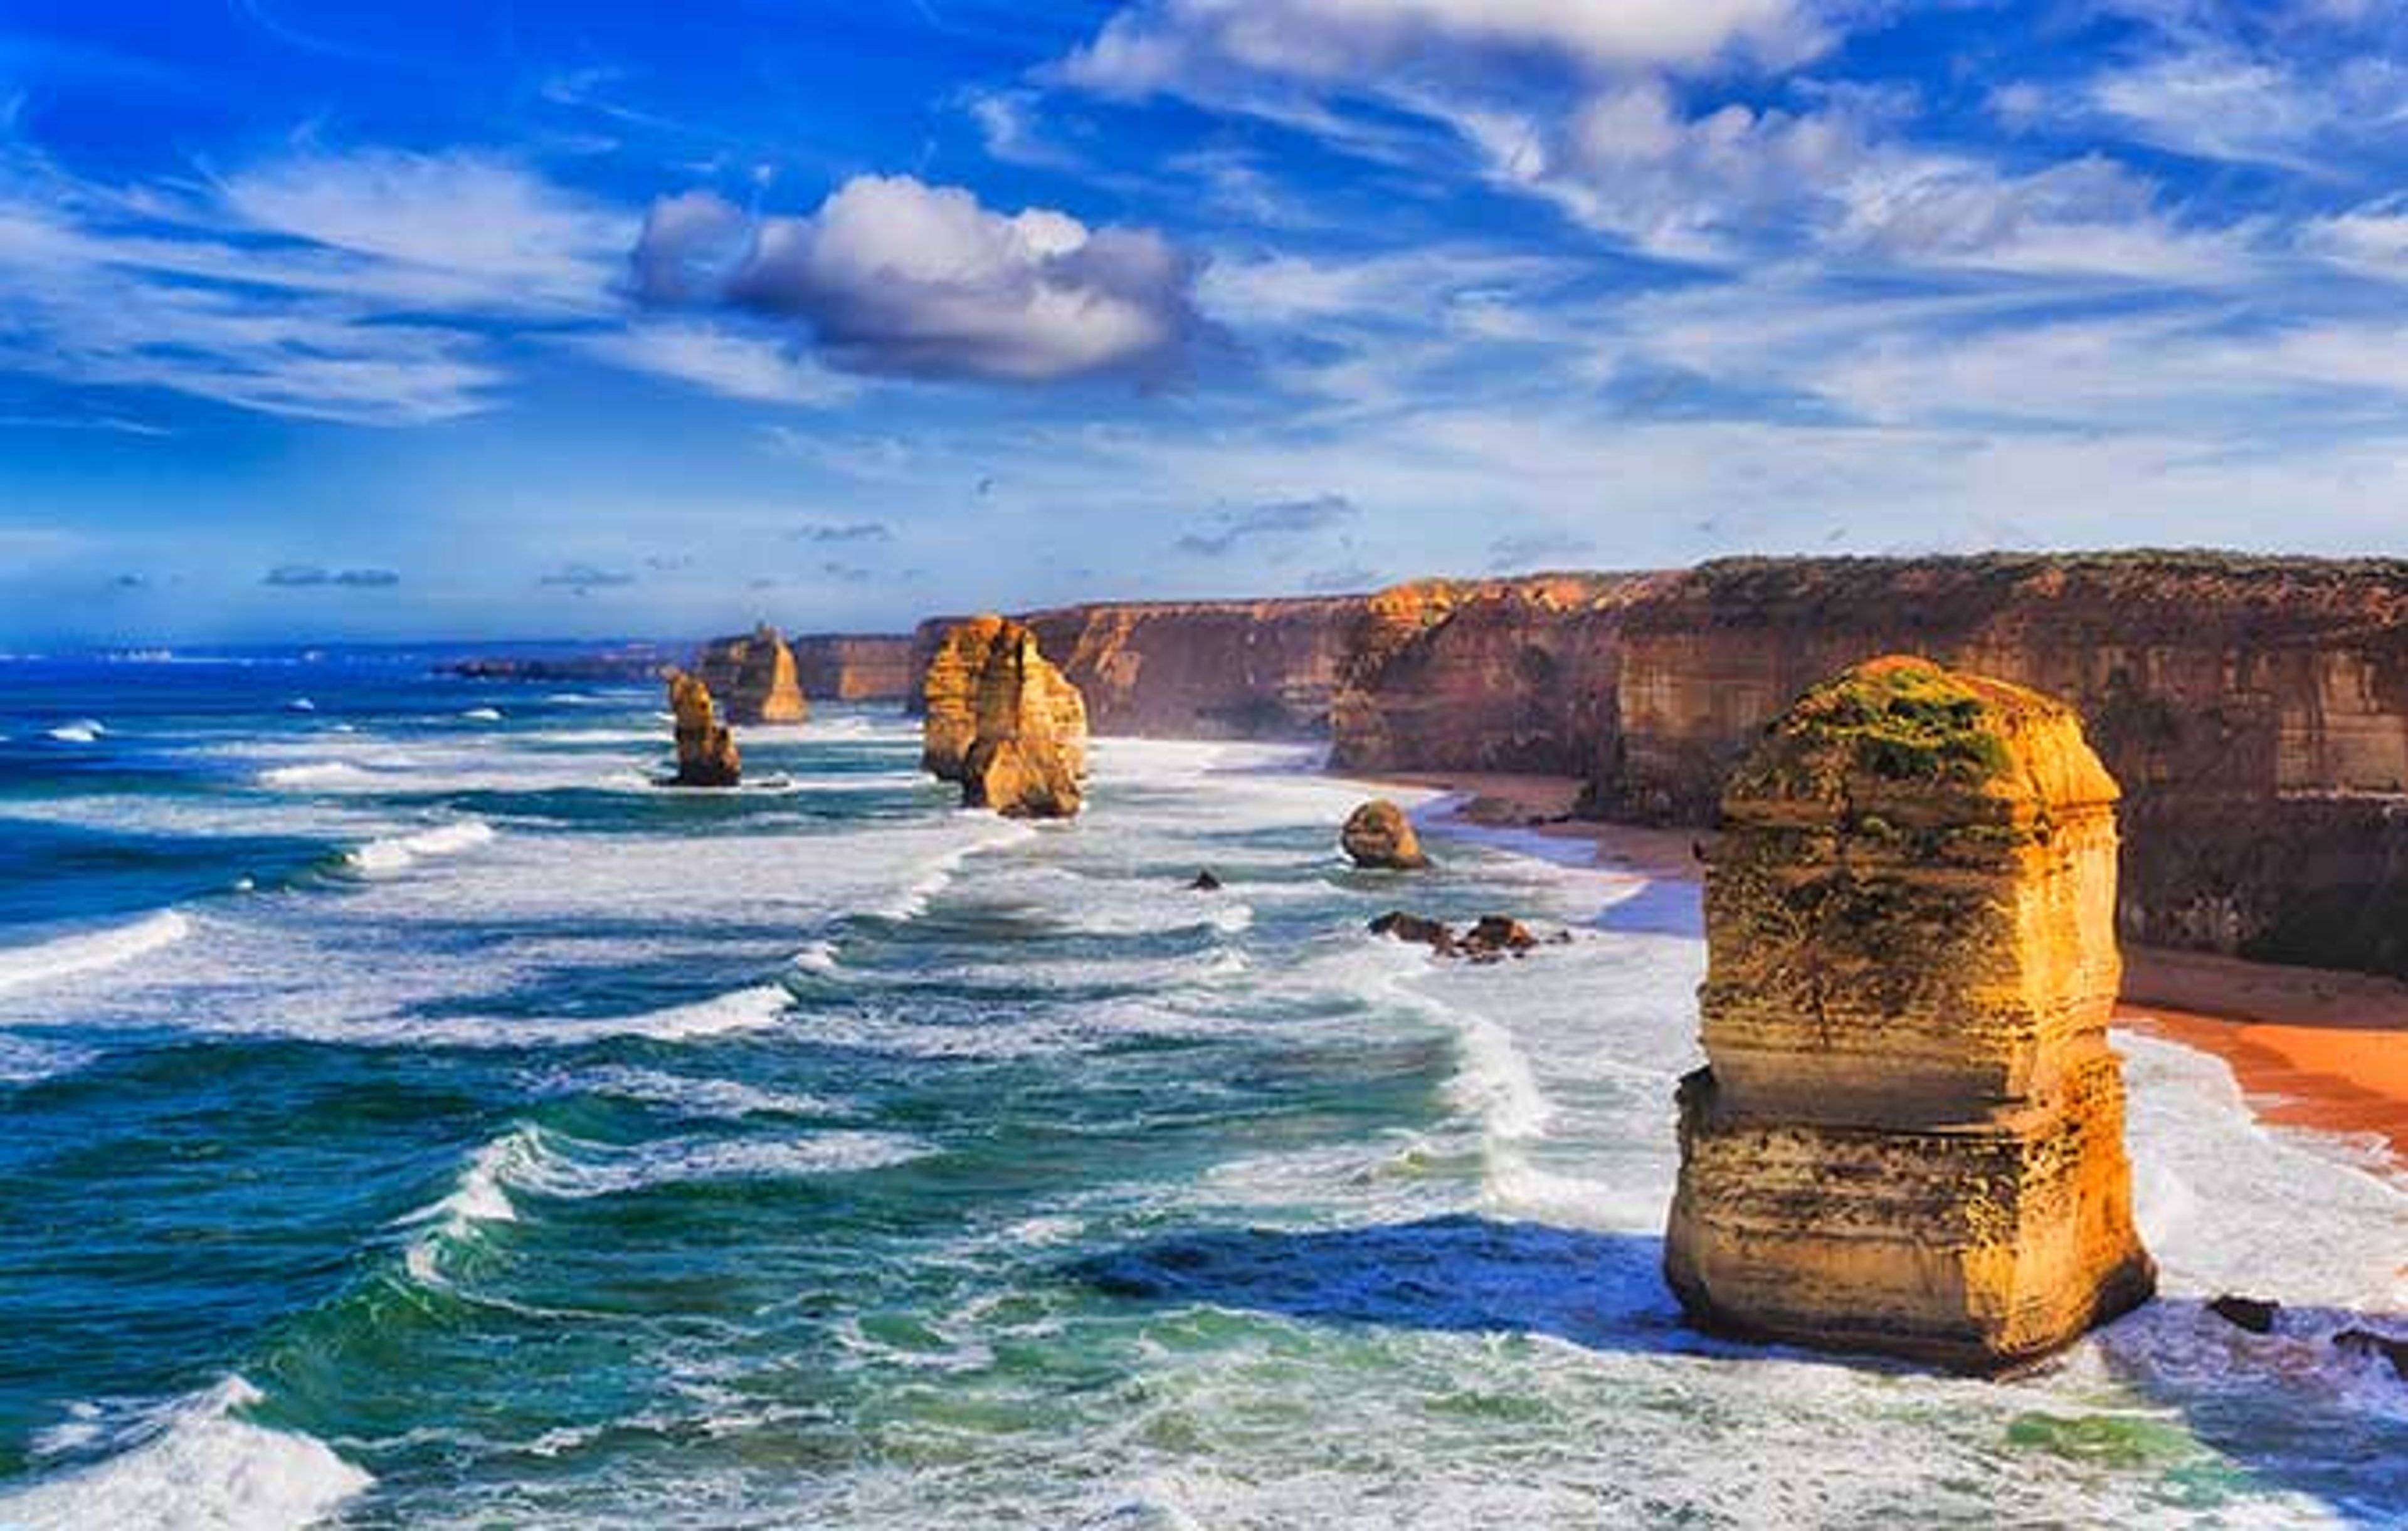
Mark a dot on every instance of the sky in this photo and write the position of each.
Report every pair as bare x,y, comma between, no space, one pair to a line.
519,319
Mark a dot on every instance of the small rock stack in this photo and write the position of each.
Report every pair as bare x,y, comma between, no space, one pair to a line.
754,677
1379,837
1004,723
1909,1136
706,751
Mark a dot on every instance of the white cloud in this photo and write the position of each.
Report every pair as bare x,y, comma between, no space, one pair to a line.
1178,45
328,287
893,275
737,367
457,229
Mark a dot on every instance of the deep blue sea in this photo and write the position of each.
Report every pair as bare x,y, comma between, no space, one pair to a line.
410,1117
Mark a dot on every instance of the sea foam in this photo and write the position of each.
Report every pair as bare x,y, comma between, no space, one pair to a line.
72,956
195,1466
400,852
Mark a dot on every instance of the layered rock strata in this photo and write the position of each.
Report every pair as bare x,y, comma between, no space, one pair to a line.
1000,719
1197,669
753,677
1909,1138
853,667
707,755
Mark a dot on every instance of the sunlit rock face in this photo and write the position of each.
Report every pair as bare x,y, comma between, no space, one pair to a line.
1003,722
753,677
706,751
1909,1135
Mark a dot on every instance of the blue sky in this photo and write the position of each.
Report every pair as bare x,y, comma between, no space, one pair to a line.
494,318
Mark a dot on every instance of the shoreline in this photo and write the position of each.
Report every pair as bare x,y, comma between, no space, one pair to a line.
2315,1049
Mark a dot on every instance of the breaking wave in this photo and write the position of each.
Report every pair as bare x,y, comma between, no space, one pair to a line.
72,956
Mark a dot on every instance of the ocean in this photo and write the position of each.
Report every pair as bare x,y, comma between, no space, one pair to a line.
410,1117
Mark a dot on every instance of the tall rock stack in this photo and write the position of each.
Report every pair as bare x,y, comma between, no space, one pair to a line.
706,751
1004,723
1910,1134
754,677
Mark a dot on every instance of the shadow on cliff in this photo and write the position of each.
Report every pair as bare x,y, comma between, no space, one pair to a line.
2290,1407
1458,1274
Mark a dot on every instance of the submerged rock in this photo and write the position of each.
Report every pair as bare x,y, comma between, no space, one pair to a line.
1206,882
2255,1314
1435,934
1001,720
2366,1343
1910,1134
1492,939
753,677
1496,935
707,755
1380,837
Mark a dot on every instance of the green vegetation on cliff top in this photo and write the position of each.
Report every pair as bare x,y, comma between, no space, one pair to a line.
1893,719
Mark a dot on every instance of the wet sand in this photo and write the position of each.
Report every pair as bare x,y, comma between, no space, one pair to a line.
2312,1048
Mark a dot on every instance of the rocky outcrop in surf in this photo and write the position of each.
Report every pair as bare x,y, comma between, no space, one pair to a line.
1000,719
707,755
1909,1136
1379,837
753,677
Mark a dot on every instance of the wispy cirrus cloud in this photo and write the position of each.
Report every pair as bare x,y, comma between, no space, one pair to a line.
343,287
314,575
1227,531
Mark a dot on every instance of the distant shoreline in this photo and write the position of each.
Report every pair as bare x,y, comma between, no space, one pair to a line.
2323,1051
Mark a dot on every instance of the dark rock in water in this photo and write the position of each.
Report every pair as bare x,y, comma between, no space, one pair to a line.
706,751
2255,1314
1380,837
1496,936
1206,882
1435,934
2367,1343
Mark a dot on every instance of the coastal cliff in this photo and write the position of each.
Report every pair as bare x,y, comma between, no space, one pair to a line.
1491,675
855,667
1196,669
2255,710
1910,1134
753,677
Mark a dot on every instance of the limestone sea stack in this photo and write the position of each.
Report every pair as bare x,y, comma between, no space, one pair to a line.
706,751
1378,836
1909,1138
1004,723
754,677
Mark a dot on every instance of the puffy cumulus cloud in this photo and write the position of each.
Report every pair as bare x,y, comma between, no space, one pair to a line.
892,276
1184,45
311,575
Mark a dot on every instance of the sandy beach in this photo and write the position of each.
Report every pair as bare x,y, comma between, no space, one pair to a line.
2312,1048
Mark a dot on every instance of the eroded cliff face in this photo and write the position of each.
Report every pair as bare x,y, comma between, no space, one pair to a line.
1909,1138
2257,712
855,667
753,677
1197,669
1490,675
1002,721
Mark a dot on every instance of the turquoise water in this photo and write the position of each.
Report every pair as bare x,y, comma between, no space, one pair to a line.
412,1118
